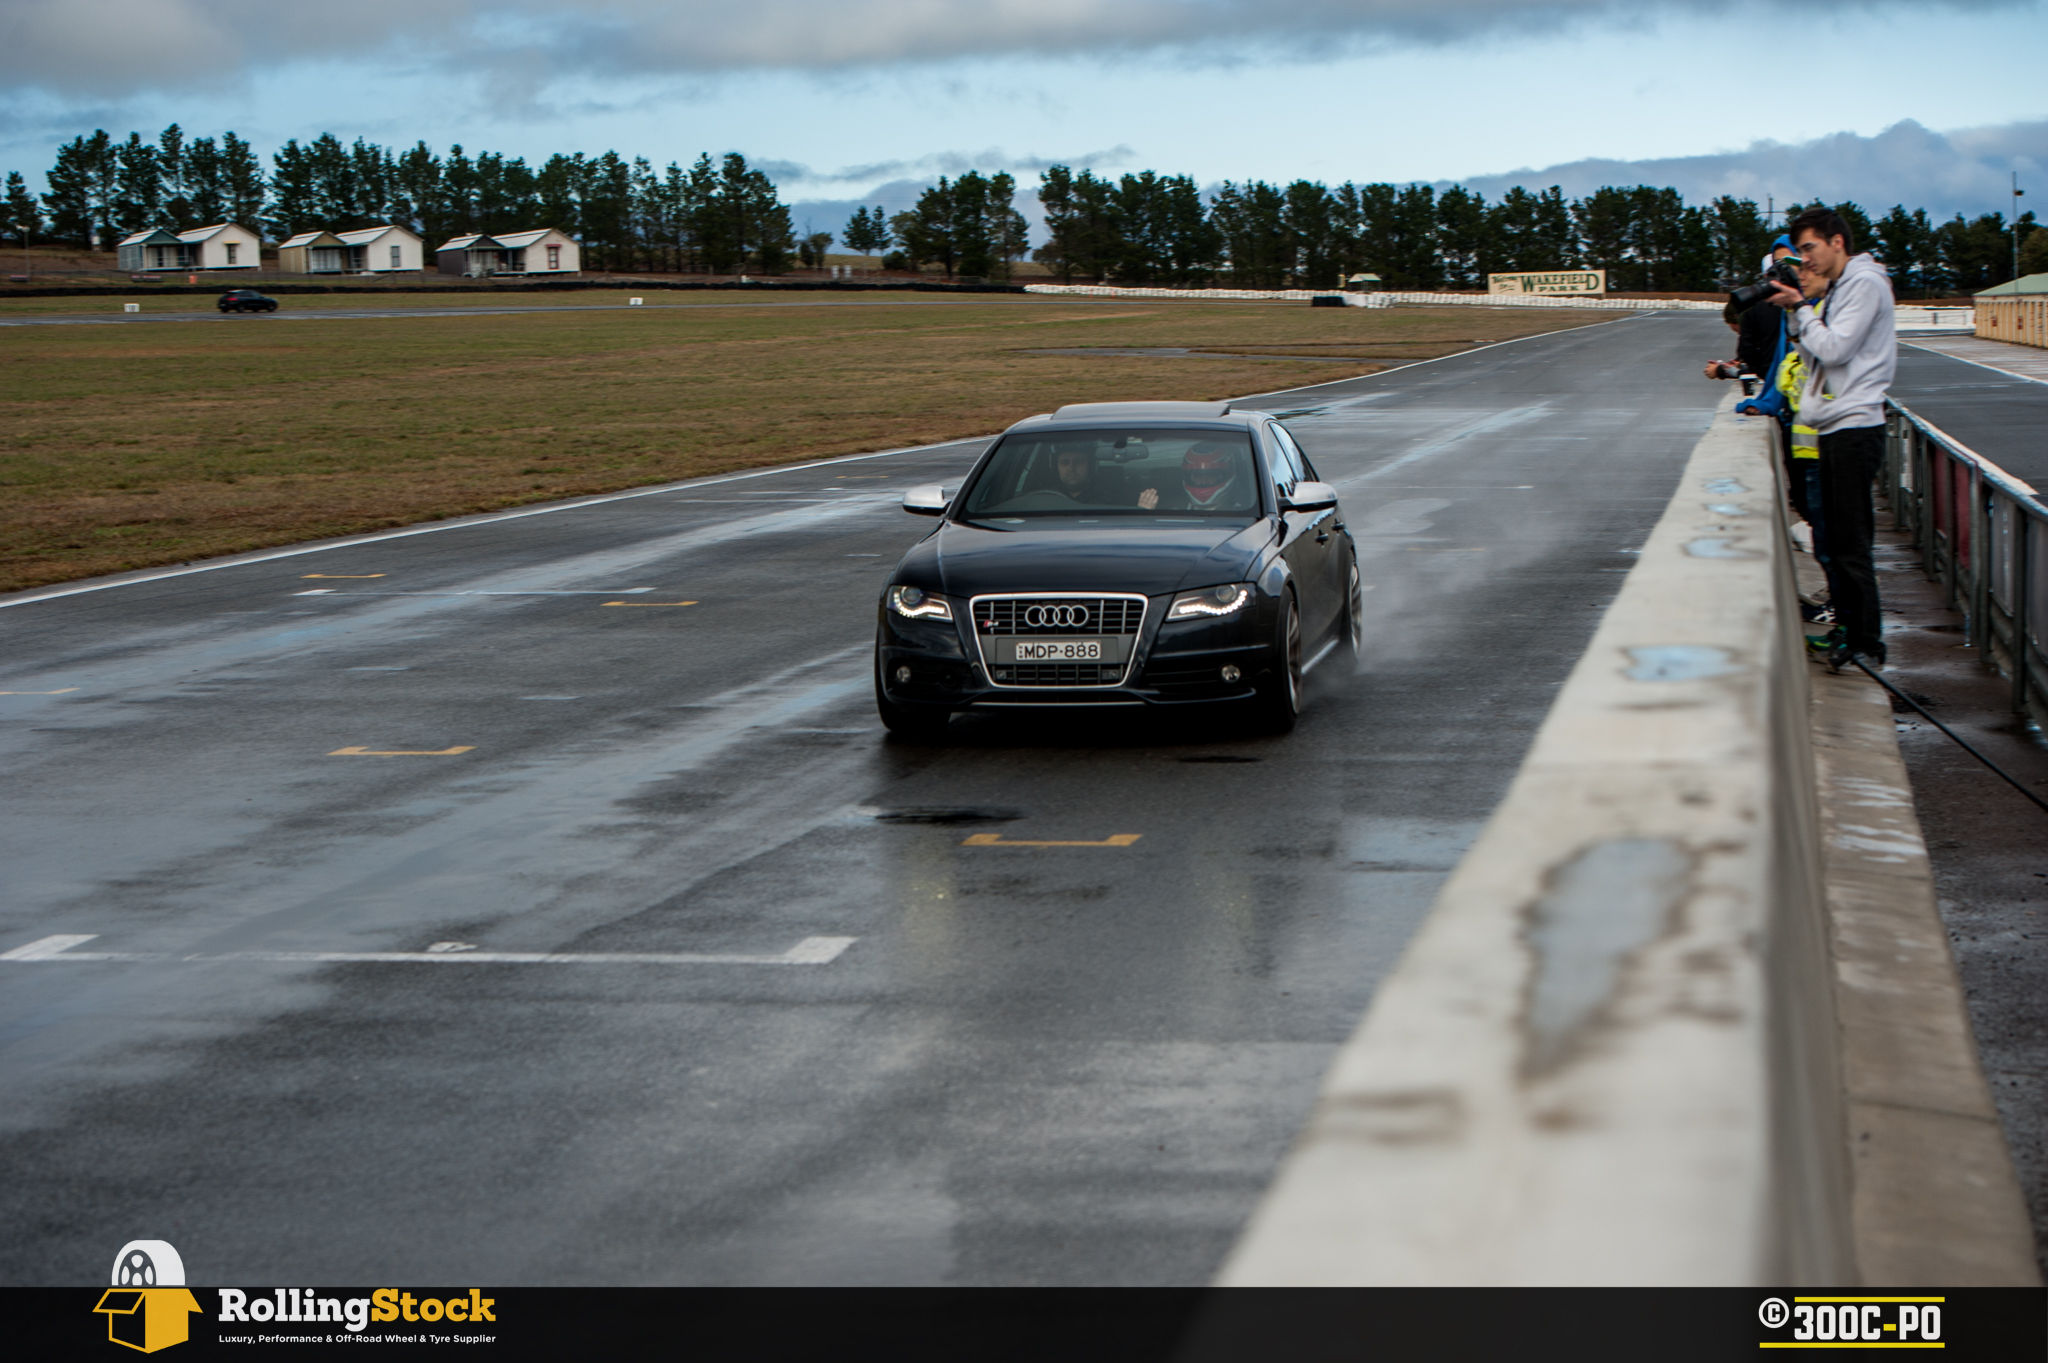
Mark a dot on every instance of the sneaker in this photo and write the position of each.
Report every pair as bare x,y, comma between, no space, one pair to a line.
1871,655
1813,613
1822,645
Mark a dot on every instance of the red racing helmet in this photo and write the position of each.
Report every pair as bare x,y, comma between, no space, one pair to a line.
1205,470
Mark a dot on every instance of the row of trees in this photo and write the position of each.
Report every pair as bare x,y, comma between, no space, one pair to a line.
1154,229
718,215
723,216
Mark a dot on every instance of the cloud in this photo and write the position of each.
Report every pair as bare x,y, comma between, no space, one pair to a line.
1966,171
116,47
948,163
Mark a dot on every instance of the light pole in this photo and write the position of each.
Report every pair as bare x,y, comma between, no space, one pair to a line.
2016,193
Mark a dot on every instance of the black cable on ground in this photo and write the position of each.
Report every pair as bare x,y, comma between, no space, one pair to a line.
2043,804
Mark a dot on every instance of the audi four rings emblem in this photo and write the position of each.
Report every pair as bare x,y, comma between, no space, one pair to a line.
1040,617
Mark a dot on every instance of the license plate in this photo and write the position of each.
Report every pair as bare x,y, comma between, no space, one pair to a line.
1059,650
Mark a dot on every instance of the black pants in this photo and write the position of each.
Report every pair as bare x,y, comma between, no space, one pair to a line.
1795,472
1849,461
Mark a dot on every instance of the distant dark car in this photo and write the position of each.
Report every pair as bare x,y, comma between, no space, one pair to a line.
1134,554
246,300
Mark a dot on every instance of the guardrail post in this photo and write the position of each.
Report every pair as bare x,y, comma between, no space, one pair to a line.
1980,565
1923,477
2022,646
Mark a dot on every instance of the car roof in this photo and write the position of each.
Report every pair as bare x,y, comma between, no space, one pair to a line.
1147,413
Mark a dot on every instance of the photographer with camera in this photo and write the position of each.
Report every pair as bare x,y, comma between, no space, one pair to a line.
1848,351
1762,350
1759,325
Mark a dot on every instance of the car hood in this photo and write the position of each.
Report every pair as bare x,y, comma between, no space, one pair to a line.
965,560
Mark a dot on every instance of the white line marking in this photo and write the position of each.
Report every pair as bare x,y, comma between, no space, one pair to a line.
2002,373
1324,652
622,591
1459,355
810,951
47,947
25,598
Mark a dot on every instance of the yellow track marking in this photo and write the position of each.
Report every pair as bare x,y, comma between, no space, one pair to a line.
998,840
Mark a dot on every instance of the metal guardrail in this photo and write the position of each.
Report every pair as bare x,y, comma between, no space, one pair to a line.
1983,534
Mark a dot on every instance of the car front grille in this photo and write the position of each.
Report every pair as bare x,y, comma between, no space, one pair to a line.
1055,615
1052,616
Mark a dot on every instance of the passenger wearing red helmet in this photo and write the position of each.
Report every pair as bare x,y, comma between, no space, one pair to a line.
1213,477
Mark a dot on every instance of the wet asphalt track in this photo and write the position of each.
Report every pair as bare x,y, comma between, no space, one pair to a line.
1075,1064
2000,416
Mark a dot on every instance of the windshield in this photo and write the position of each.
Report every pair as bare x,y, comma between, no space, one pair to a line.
1117,474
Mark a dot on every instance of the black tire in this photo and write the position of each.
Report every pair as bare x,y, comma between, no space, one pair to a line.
919,724
1279,702
1354,614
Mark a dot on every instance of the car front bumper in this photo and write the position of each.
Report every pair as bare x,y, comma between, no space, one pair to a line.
1177,662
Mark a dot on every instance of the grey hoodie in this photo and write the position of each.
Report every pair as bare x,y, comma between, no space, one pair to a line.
1850,350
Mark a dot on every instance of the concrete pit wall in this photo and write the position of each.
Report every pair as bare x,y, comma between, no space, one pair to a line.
1610,1055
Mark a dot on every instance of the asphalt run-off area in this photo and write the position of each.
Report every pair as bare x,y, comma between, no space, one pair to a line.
537,899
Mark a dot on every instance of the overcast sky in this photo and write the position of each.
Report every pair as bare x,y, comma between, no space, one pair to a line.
849,101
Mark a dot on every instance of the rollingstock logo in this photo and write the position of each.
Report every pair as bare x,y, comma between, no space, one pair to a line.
300,1306
148,1307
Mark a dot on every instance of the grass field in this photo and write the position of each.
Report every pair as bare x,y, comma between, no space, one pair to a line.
133,446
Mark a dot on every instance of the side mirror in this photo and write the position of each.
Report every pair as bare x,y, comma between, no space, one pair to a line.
929,500
1309,496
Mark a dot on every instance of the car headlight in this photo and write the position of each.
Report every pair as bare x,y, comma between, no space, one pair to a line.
918,604
1213,601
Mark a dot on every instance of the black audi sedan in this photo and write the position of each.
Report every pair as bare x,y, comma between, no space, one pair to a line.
246,300
1121,554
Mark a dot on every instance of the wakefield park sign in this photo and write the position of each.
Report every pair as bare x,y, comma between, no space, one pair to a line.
1556,281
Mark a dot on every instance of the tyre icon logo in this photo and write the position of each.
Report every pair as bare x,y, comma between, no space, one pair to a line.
1773,1313
135,1269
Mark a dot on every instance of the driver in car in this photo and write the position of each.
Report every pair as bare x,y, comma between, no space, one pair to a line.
1209,476
1082,478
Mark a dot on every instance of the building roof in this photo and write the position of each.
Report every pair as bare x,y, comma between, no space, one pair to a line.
202,233
155,236
310,239
2032,283
514,240
503,241
363,236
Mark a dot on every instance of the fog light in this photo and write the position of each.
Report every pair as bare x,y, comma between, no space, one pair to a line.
903,676
1230,672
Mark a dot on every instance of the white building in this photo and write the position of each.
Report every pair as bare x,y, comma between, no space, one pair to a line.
542,251
223,246
367,250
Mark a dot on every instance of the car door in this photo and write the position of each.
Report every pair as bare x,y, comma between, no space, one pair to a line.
1310,544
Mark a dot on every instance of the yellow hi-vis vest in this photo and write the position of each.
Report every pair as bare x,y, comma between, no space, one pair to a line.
1792,382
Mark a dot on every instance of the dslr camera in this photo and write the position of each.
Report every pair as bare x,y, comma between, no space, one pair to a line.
1784,272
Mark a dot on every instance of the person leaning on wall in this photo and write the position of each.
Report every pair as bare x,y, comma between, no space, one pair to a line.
1761,346
1848,351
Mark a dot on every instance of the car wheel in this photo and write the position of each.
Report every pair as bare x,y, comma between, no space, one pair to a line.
1354,614
1280,691
905,722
